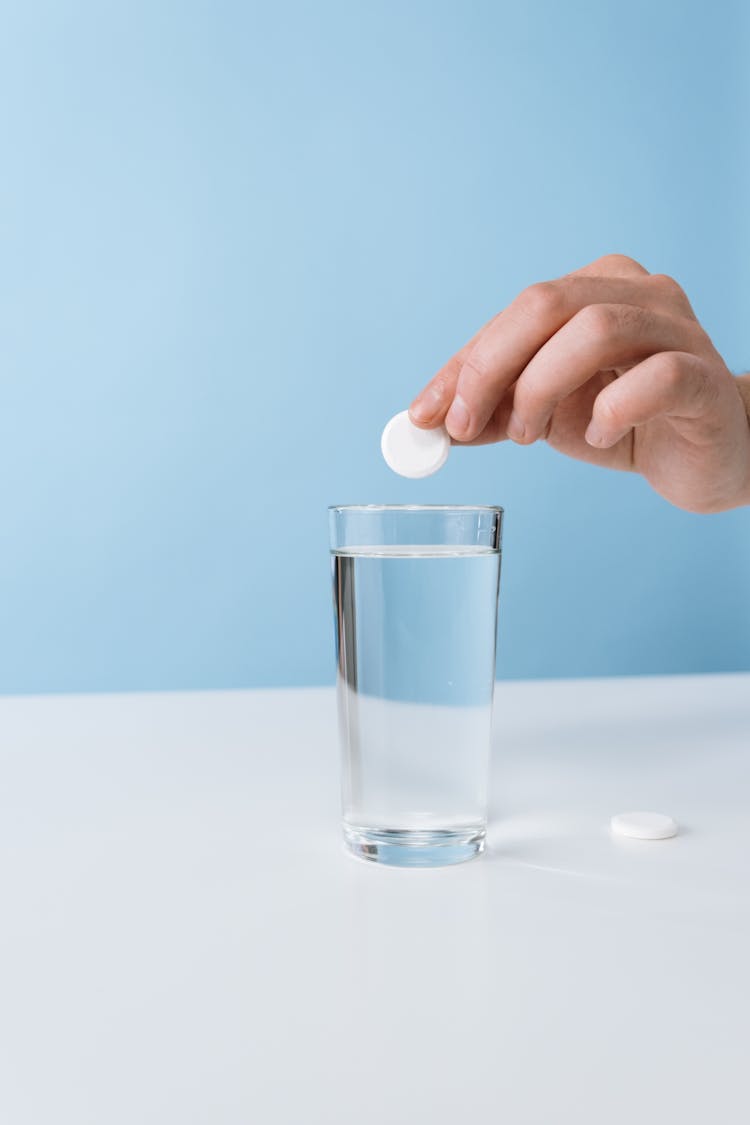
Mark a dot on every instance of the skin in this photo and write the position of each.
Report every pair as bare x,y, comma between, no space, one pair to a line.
608,365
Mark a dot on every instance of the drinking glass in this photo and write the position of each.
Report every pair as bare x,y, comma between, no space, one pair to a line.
415,592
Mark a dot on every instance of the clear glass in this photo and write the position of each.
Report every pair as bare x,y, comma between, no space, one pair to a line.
415,592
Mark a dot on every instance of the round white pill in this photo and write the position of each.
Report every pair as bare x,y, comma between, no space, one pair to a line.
644,825
412,452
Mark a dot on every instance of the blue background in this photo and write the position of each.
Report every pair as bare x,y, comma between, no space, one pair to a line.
235,238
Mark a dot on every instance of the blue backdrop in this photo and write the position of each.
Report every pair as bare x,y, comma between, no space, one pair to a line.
236,237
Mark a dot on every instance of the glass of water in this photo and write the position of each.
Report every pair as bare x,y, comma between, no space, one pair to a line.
415,593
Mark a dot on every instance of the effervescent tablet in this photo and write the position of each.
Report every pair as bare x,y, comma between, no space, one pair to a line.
644,826
412,452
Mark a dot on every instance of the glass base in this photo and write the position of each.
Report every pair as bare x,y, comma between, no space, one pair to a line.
414,847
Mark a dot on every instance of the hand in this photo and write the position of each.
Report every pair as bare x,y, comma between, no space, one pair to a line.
609,365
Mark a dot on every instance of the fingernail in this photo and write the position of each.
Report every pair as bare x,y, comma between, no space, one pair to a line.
425,406
457,420
515,429
419,411
596,436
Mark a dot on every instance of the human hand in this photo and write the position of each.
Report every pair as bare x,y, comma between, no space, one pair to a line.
609,365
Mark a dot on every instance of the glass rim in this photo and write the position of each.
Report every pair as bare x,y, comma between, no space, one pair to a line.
416,508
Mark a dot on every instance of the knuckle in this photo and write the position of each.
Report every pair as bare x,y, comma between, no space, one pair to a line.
604,321
542,301
665,285
670,291
684,378
672,371
476,366
620,263
440,385
599,321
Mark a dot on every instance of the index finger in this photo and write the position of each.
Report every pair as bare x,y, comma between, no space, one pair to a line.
432,403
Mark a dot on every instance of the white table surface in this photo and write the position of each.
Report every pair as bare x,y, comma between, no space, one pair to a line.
183,939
